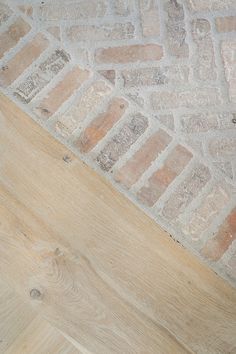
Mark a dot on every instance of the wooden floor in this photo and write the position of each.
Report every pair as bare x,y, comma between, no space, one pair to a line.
92,265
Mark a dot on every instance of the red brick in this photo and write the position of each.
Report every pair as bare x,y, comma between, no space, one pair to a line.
226,24
13,34
99,127
62,91
219,244
22,60
186,191
142,159
176,161
122,141
128,54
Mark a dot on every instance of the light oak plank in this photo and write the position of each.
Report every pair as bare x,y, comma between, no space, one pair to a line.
109,277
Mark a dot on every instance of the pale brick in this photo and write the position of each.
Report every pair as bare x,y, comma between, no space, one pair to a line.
13,34
24,58
205,68
175,29
186,192
73,10
88,102
167,120
5,13
227,120
226,24
110,75
62,91
174,164
142,159
198,122
101,125
225,167
155,76
210,5
209,209
122,141
55,31
219,244
193,98
104,32
149,18
45,72
26,9
223,147
123,7
228,51
126,54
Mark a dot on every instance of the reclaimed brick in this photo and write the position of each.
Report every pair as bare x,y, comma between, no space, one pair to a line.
174,164
104,32
26,9
101,125
45,72
13,34
5,13
198,122
167,120
90,100
62,91
210,5
228,52
205,68
122,141
222,147
175,29
226,24
24,58
219,244
110,75
142,159
122,7
126,54
192,98
186,192
150,22
155,76
73,10
208,210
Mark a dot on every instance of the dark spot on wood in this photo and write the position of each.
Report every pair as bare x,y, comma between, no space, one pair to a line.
5,67
35,294
67,158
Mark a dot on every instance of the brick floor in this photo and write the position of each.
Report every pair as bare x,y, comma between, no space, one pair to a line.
144,91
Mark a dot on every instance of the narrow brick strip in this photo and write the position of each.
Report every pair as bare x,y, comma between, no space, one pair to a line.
226,24
219,244
142,159
163,177
12,36
24,58
122,141
128,54
99,127
63,90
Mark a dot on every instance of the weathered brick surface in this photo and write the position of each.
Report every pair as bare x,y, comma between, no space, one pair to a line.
128,54
142,159
203,216
45,72
25,57
122,141
150,21
73,10
219,244
226,24
155,76
99,127
88,102
186,192
12,35
174,61
62,91
104,32
174,164
205,68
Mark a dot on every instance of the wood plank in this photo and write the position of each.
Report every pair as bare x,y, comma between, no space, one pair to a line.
108,276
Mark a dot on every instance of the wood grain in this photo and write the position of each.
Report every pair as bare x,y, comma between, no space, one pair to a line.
108,276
